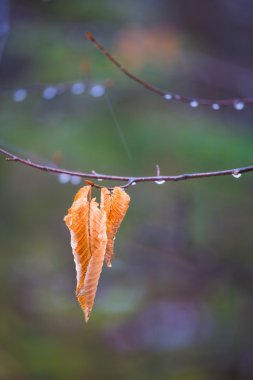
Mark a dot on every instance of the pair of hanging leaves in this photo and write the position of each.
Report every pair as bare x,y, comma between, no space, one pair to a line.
93,231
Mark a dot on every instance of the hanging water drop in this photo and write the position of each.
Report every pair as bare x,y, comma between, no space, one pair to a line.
194,103
49,93
77,88
133,183
97,90
64,178
236,175
239,105
100,179
20,95
168,96
161,182
215,106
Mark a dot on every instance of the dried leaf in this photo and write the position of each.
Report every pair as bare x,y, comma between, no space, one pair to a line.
115,204
87,225
93,230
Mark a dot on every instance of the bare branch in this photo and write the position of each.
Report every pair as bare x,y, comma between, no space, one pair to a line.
130,181
215,104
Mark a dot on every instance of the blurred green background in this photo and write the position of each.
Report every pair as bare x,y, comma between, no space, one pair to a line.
177,303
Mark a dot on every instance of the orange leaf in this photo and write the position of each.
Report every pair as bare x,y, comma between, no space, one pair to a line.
115,205
87,225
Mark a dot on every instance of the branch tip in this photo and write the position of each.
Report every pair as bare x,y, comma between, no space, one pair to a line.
90,36
158,170
215,104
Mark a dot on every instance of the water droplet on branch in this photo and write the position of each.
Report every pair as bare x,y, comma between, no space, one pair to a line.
161,182
236,175
77,88
239,105
194,104
168,96
75,180
97,90
215,106
64,178
20,95
49,93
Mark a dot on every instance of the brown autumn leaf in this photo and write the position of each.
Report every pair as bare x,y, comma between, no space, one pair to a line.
115,204
87,225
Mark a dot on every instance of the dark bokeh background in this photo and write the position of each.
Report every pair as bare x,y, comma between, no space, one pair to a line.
178,302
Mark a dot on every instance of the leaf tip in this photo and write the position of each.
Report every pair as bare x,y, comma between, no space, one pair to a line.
87,312
67,220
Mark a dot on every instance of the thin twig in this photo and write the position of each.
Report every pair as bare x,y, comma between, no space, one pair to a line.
158,170
129,180
237,103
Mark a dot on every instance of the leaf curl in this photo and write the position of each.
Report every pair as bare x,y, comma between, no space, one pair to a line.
87,225
115,204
